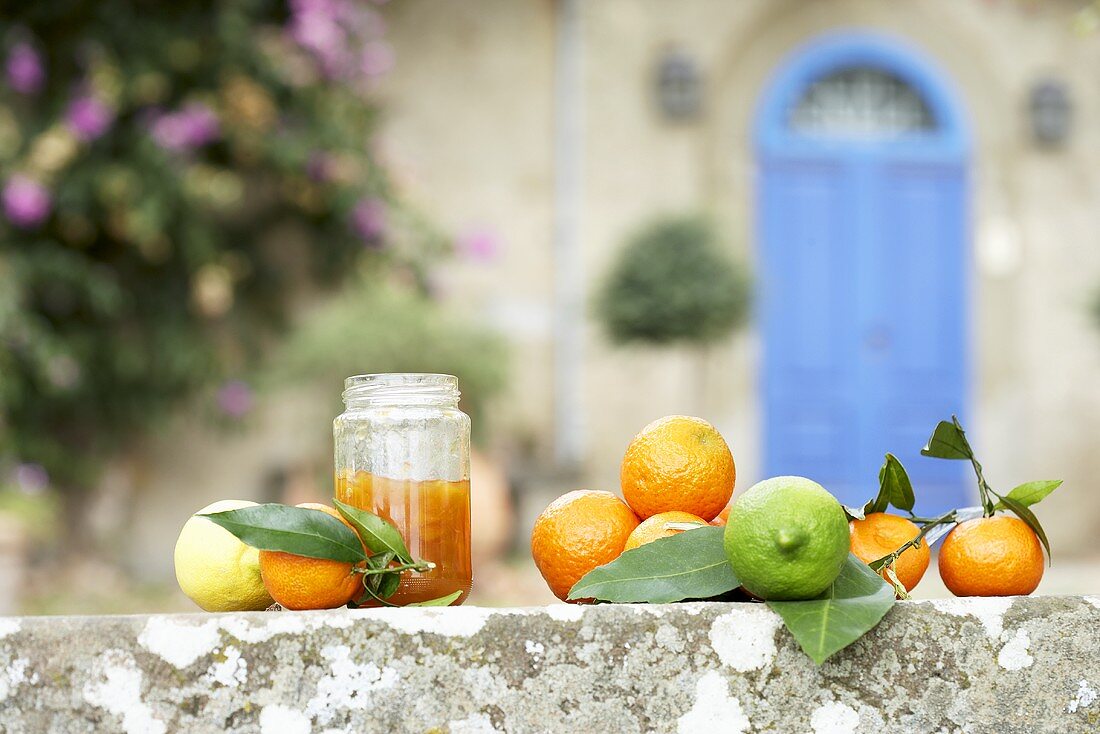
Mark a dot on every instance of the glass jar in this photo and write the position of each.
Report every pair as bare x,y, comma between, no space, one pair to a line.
403,453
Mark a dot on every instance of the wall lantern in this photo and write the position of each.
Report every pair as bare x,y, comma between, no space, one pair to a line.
1051,112
678,86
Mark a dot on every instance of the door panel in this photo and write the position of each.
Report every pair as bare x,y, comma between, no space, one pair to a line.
809,296
920,256
864,320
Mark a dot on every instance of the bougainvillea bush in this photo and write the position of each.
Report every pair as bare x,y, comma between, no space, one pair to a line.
171,176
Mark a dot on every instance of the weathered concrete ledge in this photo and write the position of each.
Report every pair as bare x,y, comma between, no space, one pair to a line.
976,665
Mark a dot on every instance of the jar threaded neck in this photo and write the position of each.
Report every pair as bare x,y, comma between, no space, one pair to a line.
401,388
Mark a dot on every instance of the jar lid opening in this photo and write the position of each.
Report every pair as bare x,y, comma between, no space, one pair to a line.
397,387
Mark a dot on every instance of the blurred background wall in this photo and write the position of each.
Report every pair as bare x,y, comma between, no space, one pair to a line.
923,243
1021,76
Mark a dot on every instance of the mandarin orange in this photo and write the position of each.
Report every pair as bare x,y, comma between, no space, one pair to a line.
678,463
297,582
991,556
880,534
658,527
576,533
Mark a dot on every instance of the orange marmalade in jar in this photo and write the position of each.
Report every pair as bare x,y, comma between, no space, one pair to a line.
403,453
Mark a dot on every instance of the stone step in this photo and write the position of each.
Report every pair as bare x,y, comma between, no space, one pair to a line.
995,666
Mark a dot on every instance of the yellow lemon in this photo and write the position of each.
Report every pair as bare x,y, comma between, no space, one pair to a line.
215,569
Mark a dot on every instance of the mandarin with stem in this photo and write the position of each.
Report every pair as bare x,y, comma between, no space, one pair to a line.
880,534
991,556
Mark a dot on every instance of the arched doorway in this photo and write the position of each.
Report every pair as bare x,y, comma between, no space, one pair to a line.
863,236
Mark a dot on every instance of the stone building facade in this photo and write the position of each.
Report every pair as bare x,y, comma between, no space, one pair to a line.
539,121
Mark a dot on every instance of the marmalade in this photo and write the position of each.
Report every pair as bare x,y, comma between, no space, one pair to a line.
433,517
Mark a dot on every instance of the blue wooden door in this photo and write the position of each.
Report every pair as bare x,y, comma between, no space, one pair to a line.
863,242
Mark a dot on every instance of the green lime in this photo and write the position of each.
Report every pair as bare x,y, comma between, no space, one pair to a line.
787,538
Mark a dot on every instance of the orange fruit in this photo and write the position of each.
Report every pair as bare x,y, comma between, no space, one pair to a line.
880,534
298,582
658,527
678,463
991,556
723,517
577,532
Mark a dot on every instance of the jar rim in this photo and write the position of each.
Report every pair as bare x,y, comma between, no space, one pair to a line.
401,379
401,388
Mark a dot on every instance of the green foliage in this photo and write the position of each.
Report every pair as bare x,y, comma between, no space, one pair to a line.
948,441
377,534
39,514
894,488
688,565
299,530
375,326
1030,493
852,606
170,175
673,283
693,565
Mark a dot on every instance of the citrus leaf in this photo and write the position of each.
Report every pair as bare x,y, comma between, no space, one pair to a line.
443,601
379,586
857,513
380,560
848,609
688,565
1028,517
382,584
1031,493
378,535
298,530
388,584
894,486
947,442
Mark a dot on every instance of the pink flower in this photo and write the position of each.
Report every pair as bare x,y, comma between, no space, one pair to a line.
342,36
26,202
235,398
26,73
88,118
184,130
481,245
368,220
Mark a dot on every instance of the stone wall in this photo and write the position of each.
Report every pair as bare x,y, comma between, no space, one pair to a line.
995,666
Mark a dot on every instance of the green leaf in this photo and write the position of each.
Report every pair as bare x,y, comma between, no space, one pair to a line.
298,530
688,565
894,487
443,601
947,442
378,535
852,606
383,584
380,560
1031,493
388,584
1028,517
